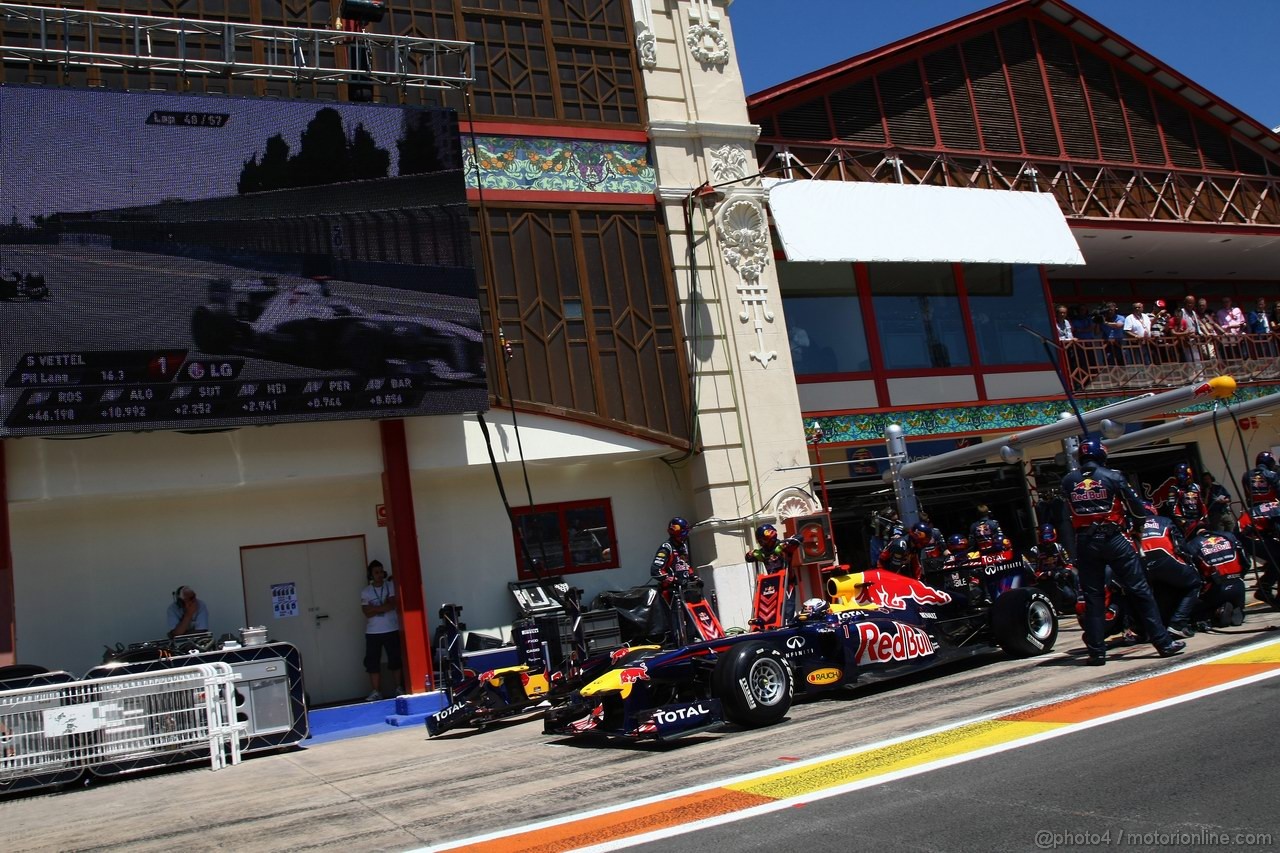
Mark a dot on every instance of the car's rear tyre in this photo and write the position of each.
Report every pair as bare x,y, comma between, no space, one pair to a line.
1024,622
214,332
753,683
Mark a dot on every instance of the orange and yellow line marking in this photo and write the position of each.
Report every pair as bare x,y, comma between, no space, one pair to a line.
887,760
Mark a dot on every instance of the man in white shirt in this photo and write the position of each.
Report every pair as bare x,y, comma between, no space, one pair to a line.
1137,327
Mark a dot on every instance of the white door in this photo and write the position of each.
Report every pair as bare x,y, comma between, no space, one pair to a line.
327,624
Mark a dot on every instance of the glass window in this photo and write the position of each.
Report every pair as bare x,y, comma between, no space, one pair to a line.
1002,297
824,319
566,537
918,316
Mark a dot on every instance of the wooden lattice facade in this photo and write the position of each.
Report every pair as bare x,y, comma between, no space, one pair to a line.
1017,98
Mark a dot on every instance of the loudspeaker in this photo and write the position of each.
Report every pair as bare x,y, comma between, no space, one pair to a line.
816,542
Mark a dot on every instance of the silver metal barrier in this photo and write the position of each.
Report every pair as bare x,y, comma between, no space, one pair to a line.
49,730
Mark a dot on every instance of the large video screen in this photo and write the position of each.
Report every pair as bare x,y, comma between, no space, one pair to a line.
196,262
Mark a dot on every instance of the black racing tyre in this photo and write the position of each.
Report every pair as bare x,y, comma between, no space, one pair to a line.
364,349
1024,622
753,683
214,332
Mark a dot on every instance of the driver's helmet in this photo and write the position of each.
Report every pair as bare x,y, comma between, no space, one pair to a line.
921,535
1094,449
1190,507
897,529
1265,460
1183,474
678,529
814,607
767,536
1047,534
958,543
898,551
985,536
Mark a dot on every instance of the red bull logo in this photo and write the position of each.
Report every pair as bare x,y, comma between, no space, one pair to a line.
632,674
879,646
891,591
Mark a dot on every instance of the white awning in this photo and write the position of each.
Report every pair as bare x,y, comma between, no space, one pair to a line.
856,221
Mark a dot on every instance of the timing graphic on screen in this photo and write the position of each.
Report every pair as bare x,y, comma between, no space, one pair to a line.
187,262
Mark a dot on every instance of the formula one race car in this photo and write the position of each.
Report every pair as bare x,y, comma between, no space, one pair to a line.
874,625
303,323
16,285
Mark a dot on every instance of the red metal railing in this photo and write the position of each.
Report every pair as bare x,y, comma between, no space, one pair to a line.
1169,361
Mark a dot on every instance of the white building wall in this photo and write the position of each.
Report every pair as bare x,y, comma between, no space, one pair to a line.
104,529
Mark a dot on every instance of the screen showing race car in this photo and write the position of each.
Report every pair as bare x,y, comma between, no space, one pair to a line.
192,262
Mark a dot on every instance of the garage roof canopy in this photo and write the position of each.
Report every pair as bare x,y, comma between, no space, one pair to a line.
846,221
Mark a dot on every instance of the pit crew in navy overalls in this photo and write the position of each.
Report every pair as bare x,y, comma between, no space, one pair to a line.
671,561
1184,483
1221,561
1099,500
928,545
1165,557
898,557
1262,486
1053,569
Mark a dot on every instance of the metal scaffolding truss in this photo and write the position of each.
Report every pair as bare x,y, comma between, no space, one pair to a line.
1084,190
188,47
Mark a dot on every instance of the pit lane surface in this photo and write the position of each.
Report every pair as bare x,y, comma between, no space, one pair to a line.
1197,775
398,790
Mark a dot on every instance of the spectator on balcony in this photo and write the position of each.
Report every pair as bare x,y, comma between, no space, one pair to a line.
1137,328
1259,319
1065,332
1161,352
1113,332
1208,319
1209,329
1187,325
1260,324
1082,325
1230,318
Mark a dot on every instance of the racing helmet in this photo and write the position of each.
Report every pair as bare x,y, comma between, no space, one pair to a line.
1047,534
921,534
1093,449
767,536
958,543
814,607
1265,460
897,529
984,535
678,529
1183,474
898,551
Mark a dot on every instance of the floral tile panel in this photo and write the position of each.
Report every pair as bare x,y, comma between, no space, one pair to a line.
558,165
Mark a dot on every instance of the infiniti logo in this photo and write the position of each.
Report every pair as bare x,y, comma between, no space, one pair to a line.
796,642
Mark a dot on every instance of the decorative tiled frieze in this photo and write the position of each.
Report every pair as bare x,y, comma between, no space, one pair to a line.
562,165
840,429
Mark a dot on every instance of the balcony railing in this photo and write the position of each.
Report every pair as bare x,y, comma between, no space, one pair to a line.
1164,362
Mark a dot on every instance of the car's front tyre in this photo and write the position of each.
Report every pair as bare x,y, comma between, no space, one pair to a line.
753,683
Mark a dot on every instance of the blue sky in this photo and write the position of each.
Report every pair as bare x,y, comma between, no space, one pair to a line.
1227,46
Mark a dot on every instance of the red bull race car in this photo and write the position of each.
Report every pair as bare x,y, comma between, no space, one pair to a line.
872,625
